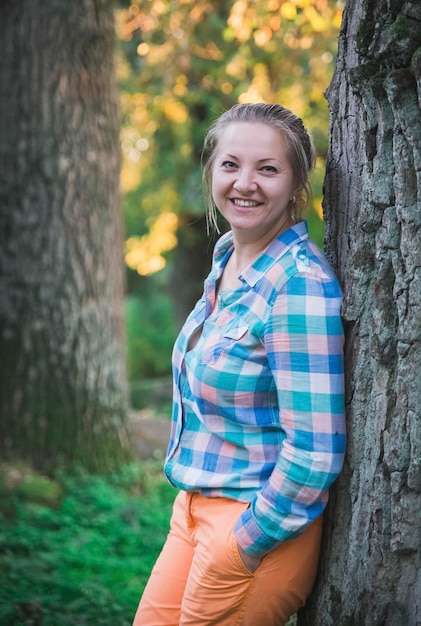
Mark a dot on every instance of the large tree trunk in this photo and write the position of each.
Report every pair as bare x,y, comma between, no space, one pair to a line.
370,571
62,390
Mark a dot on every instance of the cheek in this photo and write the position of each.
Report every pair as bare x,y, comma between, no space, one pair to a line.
216,186
213,185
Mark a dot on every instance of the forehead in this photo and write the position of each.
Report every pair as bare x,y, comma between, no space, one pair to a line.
258,139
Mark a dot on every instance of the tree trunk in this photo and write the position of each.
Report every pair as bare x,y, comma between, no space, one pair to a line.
370,569
62,372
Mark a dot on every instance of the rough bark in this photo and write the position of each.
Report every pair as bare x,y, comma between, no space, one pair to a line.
62,390
370,570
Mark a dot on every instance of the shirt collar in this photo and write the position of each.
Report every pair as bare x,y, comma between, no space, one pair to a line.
276,249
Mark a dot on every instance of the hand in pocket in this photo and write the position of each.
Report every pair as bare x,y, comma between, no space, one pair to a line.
250,562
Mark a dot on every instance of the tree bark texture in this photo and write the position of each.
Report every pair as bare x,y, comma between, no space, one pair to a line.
370,571
62,363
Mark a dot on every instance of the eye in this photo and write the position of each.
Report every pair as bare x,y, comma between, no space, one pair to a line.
228,164
270,169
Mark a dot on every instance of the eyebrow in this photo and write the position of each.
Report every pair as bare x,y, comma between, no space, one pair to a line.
233,156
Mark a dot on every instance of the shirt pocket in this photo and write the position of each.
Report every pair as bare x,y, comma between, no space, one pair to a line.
222,339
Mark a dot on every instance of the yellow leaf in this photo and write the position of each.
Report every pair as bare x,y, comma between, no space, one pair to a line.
175,111
316,21
288,11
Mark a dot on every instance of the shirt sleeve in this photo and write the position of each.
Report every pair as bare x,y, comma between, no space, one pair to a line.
304,344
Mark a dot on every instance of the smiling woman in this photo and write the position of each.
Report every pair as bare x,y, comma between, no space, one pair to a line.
253,184
281,148
258,430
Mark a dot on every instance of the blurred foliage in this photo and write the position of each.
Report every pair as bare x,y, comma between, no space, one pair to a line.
150,334
152,397
84,557
180,63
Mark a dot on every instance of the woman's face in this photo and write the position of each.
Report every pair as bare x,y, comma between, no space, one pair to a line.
252,180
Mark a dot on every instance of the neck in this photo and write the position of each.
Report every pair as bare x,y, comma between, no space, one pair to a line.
247,249
243,256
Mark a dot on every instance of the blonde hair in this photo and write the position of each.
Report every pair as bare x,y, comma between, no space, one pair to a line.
301,152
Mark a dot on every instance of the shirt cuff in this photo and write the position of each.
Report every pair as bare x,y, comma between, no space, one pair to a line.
251,537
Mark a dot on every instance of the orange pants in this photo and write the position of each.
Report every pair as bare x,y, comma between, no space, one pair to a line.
199,578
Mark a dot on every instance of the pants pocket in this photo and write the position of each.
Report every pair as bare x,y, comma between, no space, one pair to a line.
236,558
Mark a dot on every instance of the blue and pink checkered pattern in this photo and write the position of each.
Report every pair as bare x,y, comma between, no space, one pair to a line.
258,410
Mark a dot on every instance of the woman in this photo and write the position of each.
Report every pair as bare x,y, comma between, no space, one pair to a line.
258,427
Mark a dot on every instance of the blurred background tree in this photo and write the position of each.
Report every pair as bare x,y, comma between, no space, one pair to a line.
63,393
180,63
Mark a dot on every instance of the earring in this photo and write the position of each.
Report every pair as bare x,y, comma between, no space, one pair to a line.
293,199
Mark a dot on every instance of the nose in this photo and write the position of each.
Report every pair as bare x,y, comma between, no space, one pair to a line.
245,182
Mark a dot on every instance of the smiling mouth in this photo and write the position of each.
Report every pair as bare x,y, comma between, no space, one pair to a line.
245,203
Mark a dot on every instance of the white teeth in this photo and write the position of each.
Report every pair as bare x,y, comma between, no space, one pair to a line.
245,203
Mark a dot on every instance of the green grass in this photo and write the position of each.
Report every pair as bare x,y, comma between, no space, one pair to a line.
78,549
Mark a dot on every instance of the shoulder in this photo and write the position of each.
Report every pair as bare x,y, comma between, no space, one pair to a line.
313,271
302,269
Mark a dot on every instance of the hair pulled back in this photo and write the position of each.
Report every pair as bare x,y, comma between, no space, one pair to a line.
301,152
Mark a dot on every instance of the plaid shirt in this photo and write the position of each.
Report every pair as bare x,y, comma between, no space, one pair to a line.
258,402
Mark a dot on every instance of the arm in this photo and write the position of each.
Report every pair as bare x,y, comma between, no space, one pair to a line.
304,345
